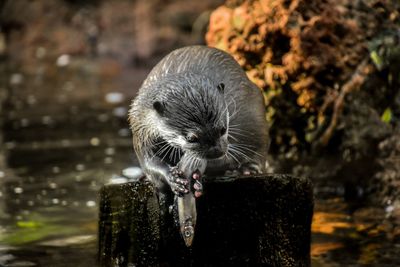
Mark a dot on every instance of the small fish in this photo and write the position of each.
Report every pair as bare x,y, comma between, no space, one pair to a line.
187,203
187,217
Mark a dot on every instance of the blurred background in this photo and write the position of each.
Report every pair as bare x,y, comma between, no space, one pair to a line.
329,70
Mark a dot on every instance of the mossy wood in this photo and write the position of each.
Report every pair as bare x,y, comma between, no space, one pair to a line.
242,221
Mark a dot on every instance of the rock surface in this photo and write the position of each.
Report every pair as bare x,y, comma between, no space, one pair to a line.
329,71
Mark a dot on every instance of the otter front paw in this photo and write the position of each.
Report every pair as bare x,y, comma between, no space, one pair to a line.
198,186
250,169
177,181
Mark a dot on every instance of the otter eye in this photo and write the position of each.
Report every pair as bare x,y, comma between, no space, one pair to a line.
223,131
192,138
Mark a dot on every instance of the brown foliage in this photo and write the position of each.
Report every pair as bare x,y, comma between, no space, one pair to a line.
305,55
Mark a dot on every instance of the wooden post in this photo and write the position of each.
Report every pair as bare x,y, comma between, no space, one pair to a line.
242,221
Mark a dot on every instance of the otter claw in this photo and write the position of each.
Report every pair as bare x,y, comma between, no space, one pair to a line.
176,172
179,190
196,175
179,184
250,169
198,186
182,190
182,181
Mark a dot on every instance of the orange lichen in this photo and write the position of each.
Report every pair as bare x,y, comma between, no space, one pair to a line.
294,41
305,49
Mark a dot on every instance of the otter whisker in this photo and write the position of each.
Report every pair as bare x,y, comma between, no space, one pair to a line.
196,163
166,152
225,111
233,132
234,138
240,131
158,143
247,147
239,152
176,154
193,163
163,150
235,110
160,150
190,162
171,153
230,154
237,149
234,113
238,127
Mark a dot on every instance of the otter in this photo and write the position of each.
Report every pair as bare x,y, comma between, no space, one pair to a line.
197,113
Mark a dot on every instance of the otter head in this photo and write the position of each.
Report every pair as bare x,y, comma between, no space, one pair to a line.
192,114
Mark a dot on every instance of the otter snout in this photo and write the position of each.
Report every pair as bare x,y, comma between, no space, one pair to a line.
217,150
214,152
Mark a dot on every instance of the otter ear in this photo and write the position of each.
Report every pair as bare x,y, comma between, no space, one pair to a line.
221,87
159,107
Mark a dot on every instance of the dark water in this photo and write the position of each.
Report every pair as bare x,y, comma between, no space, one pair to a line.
66,134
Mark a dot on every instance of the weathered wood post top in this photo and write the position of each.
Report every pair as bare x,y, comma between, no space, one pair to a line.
260,220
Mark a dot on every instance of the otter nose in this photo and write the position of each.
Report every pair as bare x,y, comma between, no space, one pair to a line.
214,152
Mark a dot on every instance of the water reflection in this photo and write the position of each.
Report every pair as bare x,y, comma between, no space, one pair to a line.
62,143
66,134
344,238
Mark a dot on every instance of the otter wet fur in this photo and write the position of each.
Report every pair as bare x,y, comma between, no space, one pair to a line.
197,113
